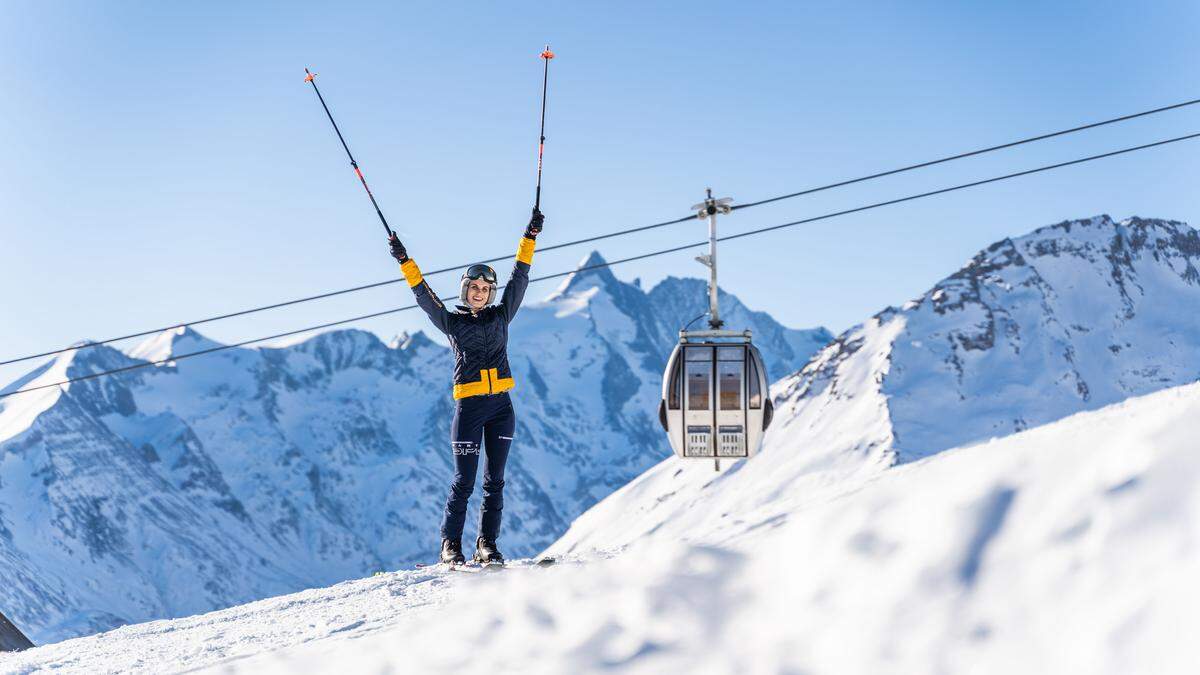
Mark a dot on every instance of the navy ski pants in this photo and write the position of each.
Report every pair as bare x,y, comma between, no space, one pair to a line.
486,421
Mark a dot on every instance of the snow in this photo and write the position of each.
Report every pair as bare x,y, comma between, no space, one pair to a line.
828,439
243,474
1066,548
171,342
17,413
1070,317
565,306
893,522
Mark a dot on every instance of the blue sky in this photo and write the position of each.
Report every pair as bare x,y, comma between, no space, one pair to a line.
165,161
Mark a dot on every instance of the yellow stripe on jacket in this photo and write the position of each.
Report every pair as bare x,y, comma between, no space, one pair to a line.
489,382
525,250
411,272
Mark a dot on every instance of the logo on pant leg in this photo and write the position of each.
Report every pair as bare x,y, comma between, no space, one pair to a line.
465,447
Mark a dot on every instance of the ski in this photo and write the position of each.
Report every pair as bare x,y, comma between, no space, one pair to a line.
473,566
470,567
11,638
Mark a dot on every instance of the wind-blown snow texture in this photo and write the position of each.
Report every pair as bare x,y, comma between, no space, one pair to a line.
1070,317
1070,548
249,473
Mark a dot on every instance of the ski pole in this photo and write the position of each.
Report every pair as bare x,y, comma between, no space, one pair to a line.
546,56
310,78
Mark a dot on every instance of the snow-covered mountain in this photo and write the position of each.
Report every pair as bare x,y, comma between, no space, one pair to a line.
248,473
1070,317
1069,548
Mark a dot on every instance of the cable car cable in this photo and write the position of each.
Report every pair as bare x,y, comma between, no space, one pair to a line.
963,155
331,294
634,258
373,315
959,187
587,240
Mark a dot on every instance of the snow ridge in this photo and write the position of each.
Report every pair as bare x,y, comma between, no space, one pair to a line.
1071,317
204,483
1068,548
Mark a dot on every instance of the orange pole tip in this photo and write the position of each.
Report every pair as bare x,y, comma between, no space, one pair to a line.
547,54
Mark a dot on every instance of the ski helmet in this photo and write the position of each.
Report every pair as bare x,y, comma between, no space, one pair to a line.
478,271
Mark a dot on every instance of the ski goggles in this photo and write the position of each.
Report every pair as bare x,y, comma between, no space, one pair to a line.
481,271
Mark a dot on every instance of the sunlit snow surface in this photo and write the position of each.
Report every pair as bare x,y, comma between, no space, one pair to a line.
209,482
818,547
1068,548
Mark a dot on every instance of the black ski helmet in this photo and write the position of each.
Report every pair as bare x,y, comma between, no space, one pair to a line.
478,271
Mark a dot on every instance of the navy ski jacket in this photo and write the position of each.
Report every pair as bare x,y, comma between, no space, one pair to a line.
480,339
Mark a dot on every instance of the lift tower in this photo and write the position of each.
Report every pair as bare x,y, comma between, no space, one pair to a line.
709,208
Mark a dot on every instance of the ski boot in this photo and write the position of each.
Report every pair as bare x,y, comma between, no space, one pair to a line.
452,552
486,552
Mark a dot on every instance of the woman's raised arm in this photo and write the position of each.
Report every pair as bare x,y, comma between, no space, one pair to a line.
427,300
514,291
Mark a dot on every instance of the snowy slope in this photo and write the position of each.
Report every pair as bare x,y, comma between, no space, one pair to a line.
1069,548
1070,317
252,472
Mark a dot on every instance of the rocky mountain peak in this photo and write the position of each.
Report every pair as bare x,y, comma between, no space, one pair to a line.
171,342
344,349
1069,317
406,341
590,272
330,453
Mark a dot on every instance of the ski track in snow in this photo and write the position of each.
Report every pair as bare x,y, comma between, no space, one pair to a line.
1069,548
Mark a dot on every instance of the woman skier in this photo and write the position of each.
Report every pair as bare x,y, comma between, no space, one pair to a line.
483,412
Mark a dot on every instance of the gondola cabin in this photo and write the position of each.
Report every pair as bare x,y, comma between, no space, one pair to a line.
715,404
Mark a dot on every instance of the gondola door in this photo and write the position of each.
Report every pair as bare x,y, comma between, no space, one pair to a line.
731,401
698,400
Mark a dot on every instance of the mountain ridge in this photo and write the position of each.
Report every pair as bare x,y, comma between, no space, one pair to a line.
1068,318
308,463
